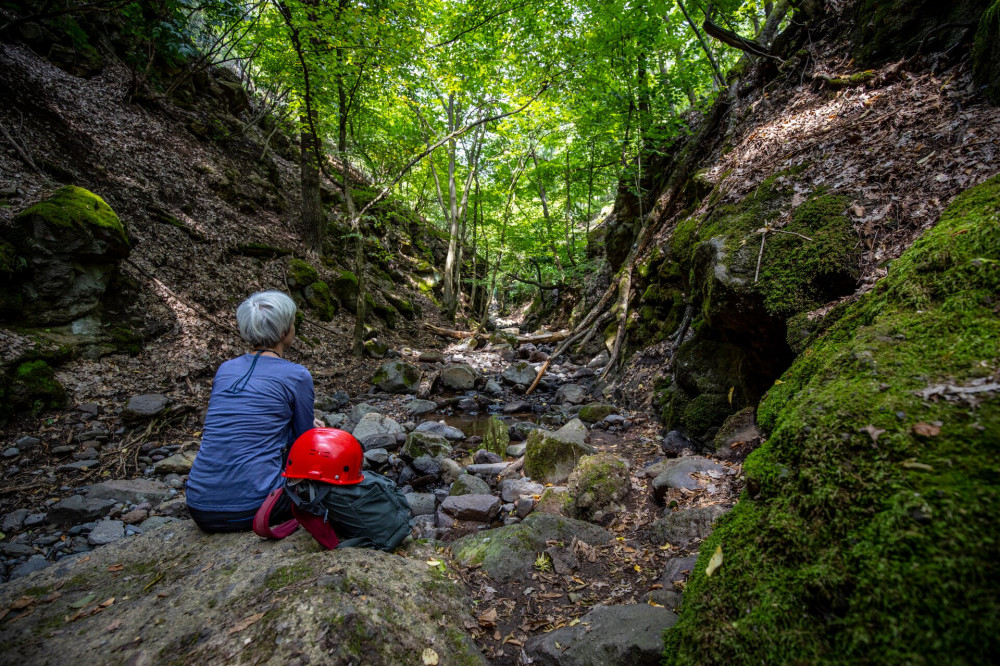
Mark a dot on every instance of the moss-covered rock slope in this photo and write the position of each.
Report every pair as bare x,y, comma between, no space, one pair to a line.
868,532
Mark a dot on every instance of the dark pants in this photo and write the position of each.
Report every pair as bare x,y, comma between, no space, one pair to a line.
239,521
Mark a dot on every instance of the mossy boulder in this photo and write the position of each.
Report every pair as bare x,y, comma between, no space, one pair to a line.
458,377
496,436
352,605
301,274
69,245
403,306
551,456
596,411
597,487
868,530
345,288
420,443
31,385
375,348
317,295
397,377
509,553
467,484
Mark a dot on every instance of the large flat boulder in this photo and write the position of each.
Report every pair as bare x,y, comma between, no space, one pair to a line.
420,443
397,377
679,528
519,373
374,423
458,377
130,491
223,598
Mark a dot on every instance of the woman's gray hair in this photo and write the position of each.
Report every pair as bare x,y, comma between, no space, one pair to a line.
265,317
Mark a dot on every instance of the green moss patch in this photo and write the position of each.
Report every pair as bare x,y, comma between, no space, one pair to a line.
868,530
301,273
75,207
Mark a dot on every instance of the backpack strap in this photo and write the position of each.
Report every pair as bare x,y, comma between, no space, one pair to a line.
321,530
262,520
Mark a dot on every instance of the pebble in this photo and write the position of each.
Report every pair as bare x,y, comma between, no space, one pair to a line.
14,520
34,520
421,504
27,443
79,466
106,531
12,452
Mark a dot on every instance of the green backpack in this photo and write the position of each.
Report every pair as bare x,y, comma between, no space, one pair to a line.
369,514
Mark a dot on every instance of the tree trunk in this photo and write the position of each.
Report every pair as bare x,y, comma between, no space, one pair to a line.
720,80
548,218
475,255
312,204
570,242
449,262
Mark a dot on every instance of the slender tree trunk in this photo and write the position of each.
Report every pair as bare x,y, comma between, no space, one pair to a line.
475,254
570,242
312,203
590,190
449,262
720,80
458,266
548,218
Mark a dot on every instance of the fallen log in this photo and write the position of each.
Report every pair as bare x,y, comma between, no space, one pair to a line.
462,335
544,337
447,332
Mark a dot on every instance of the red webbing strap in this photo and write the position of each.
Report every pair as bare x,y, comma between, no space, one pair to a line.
263,517
321,530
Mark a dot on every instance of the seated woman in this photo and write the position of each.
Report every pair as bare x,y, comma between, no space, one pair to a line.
260,404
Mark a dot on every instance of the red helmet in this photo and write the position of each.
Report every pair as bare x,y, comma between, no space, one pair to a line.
326,454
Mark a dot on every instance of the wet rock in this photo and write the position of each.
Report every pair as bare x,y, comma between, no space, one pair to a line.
519,373
377,457
523,507
425,526
493,389
599,361
487,470
573,394
526,350
583,373
374,423
553,500
14,520
444,521
676,444
467,484
597,487
517,407
596,411
106,531
35,519
458,377
482,457
17,549
179,463
509,553
606,635
134,517
78,509
677,474
421,504
11,452
441,430
482,508
34,563
141,408
516,450
375,348
426,465
513,489
332,402
27,443
397,377
416,407
135,491
359,411
420,443
431,357
467,405
679,528
518,431
79,466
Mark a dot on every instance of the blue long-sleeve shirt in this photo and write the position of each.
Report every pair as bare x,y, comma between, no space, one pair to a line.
256,410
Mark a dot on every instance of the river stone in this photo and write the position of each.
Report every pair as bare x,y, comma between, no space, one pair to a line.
740,430
144,407
574,394
420,443
377,457
519,373
493,389
517,450
458,377
597,487
677,474
179,463
509,552
105,532
374,423
416,407
397,377
516,407
216,588
359,410
134,491
441,430
14,520
450,470
677,568
27,443
676,444
599,361
467,484
78,509
519,430
481,508
596,411
426,465
335,420
487,469
431,357
679,528
33,564
421,504
513,489
606,635
551,456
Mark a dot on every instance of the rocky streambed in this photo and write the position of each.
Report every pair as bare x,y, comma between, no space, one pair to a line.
547,528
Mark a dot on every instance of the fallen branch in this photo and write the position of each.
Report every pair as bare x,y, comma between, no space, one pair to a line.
544,337
447,332
21,151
